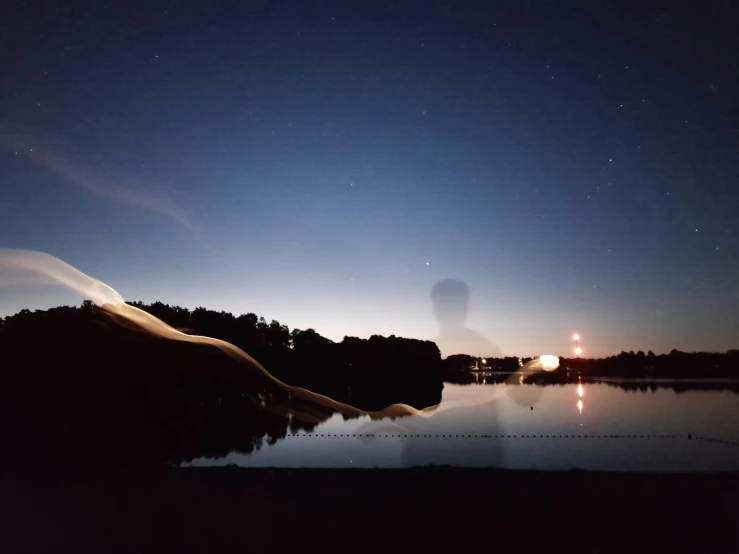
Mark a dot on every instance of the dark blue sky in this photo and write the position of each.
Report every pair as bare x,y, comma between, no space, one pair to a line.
324,164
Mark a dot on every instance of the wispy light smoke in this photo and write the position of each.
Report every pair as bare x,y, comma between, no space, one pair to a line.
61,273
22,143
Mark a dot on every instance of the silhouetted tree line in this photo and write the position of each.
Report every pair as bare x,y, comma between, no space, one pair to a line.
77,386
367,373
457,367
674,365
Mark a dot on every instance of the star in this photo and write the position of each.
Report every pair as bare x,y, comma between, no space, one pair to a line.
427,263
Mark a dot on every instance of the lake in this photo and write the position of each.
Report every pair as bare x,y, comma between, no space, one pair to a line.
592,426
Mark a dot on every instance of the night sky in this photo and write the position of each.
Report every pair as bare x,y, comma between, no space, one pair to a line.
575,164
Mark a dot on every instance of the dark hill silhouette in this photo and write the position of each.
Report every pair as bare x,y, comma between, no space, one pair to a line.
79,385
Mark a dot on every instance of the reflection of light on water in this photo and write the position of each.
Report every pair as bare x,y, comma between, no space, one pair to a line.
580,390
579,406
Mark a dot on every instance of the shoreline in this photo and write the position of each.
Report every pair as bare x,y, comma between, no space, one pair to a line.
369,510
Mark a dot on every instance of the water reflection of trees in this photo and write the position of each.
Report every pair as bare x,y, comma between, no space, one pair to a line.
625,384
76,386
79,387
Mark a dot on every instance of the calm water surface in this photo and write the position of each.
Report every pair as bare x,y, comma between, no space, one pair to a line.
592,426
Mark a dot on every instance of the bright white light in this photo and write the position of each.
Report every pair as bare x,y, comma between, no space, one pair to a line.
549,362
580,390
579,405
578,351
575,337
484,361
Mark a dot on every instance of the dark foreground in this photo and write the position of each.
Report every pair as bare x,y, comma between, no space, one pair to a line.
420,510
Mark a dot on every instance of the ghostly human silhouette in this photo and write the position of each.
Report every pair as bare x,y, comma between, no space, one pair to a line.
450,300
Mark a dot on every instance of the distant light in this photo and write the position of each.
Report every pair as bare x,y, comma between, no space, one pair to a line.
579,406
580,390
484,361
578,350
575,337
549,362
